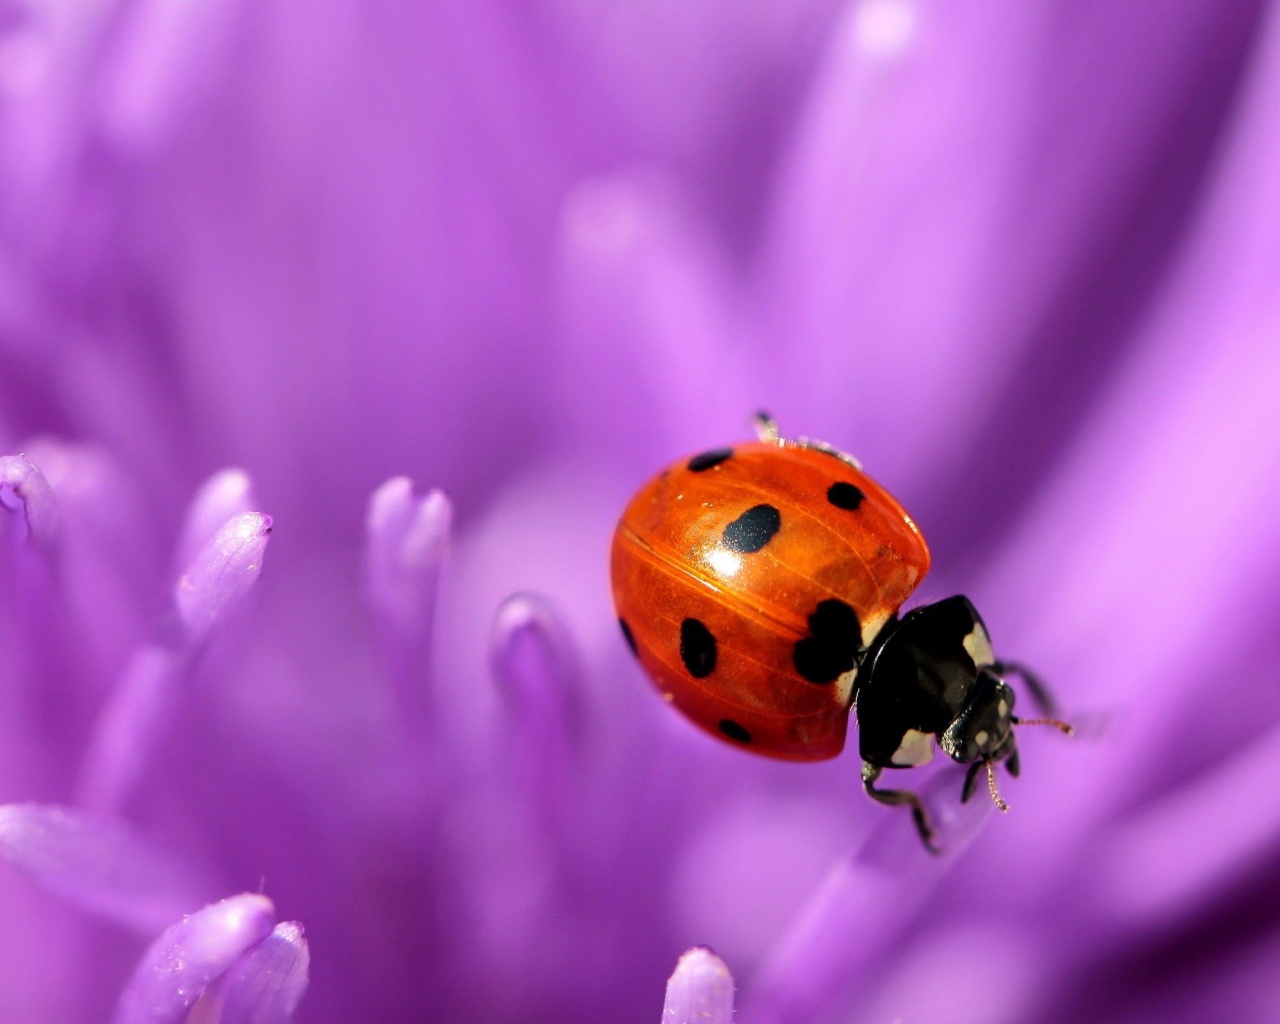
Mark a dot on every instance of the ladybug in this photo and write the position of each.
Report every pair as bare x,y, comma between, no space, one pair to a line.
760,587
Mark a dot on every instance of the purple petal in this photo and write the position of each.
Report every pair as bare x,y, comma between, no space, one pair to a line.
266,984
366,237
738,904
164,57
407,539
646,296
99,864
180,964
137,713
1224,826
700,991
141,707
534,666
24,488
106,563
878,892
931,229
222,574
535,669
229,492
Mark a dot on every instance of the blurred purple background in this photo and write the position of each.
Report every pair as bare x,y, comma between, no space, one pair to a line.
1022,258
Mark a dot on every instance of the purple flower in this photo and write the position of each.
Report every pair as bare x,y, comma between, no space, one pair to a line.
447,282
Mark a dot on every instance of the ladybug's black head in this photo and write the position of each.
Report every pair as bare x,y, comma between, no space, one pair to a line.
933,675
983,728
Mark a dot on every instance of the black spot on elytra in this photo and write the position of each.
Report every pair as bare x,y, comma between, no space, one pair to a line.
734,731
697,648
832,647
753,529
846,496
708,459
628,637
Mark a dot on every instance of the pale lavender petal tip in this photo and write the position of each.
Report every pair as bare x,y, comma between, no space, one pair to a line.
99,864
700,991
407,538
266,984
177,968
222,573
227,493
533,661
24,488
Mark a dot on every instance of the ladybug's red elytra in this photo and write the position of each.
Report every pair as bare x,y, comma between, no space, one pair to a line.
759,587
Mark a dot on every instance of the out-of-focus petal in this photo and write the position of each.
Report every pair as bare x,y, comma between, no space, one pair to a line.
406,537
969,972
647,296
266,984
229,492
536,670
1235,986
140,709
137,713
406,542
223,572
108,567
978,205
99,864
180,964
534,665
1224,827
699,991
547,532
740,905
741,68
877,892
1153,554
164,56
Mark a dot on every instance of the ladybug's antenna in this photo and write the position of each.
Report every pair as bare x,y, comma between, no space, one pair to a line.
1066,729
766,426
991,785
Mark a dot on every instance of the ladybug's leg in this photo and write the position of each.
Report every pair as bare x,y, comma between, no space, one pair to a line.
766,426
971,781
899,798
1039,692
1012,765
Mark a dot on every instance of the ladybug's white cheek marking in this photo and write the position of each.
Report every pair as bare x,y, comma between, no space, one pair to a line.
915,749
844,687
978,646
871,628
